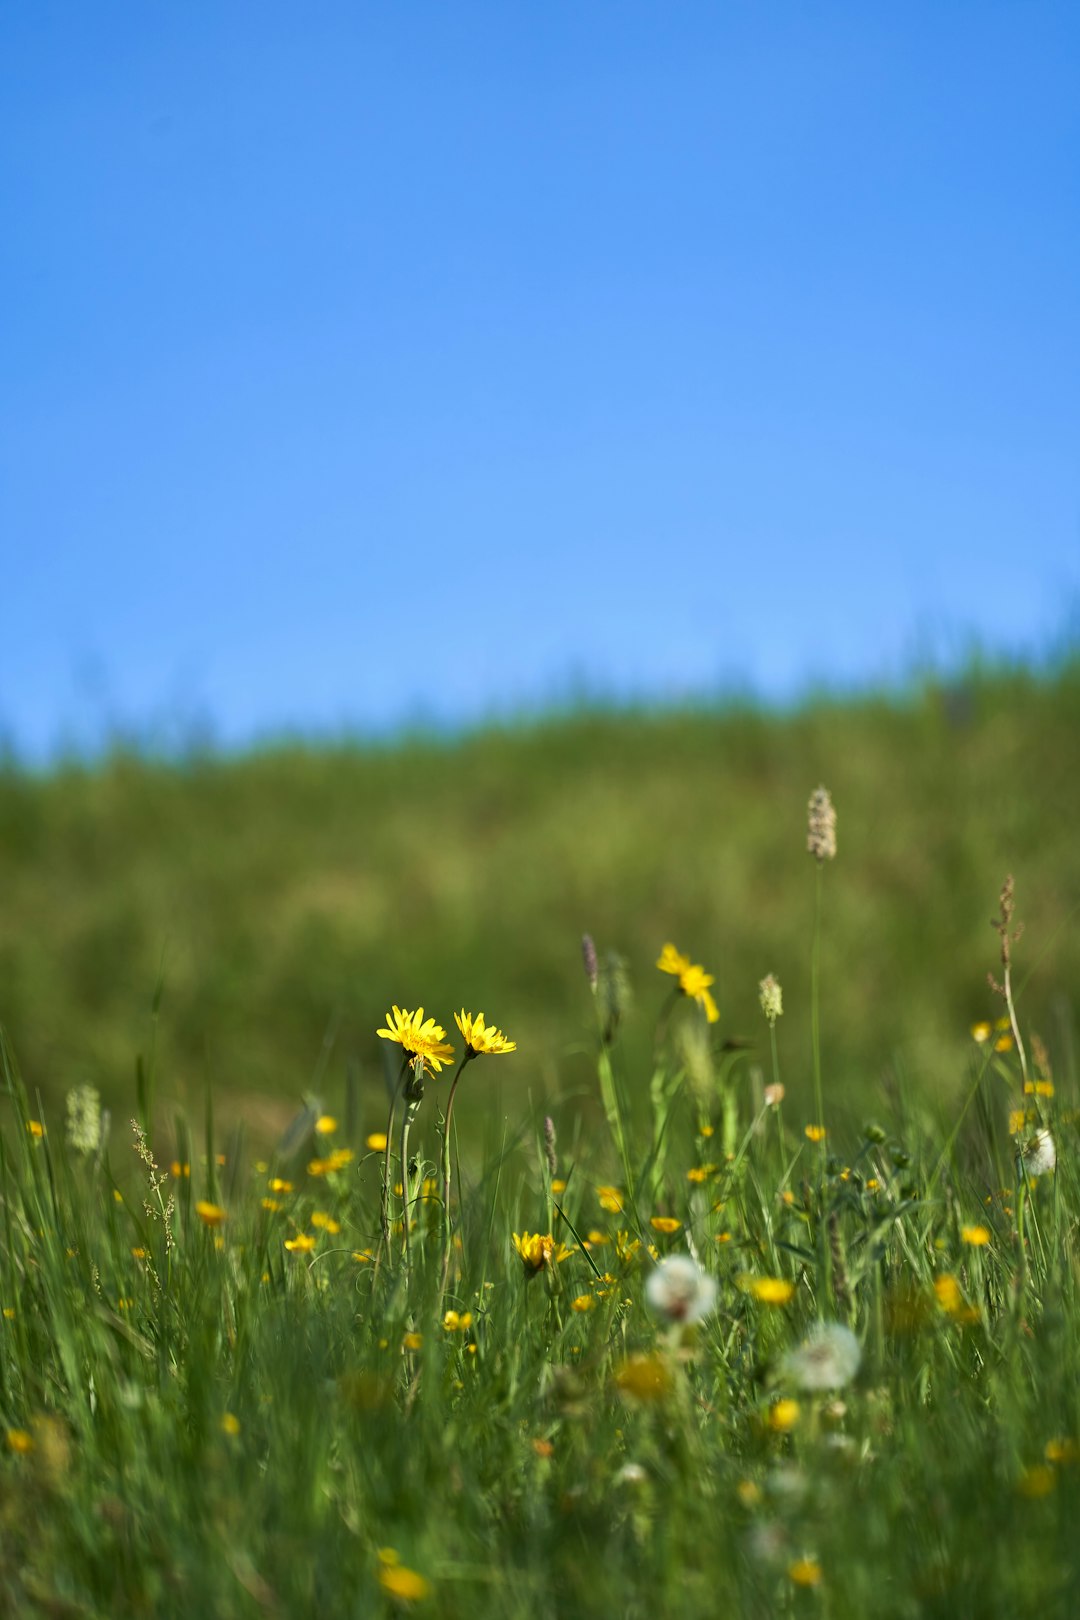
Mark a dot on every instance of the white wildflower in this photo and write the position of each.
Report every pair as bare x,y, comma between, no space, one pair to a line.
680,1290
827,1359
1040,1155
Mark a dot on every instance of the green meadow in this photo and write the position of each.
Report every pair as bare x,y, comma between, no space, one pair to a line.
702,1300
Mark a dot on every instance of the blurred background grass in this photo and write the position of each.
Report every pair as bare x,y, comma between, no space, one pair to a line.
288,896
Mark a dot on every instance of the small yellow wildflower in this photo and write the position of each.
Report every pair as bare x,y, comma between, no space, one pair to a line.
977,1236
815,1133
376,1142
457,1321
36,1128
723,1237
302,1243
947,1290
9,1312
399,1582
1004,1043
542,1447
479,1037
539,1249
412,1341
363,1256
597,1240
748,1492
230,1424
335,1161
625,1246
643,1378
701,1173
583,1303
981,1031
20,1441
694,982
325,1223
783,1415
611,1199
1038,1088
805,1572
421,1036
767,1290
277,1185
664,1223
138,1254
1062,1451
326,1124
210,1214
180,1171
1036,1481
558,1186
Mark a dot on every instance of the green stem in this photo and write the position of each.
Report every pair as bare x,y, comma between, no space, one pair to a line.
469,1053
815,1013
388,1155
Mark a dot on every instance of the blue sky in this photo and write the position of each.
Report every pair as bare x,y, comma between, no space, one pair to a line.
370,361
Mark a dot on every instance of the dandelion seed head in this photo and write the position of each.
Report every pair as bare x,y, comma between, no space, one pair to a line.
680,1290
828,1358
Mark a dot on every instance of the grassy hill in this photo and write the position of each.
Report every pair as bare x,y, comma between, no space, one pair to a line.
287,897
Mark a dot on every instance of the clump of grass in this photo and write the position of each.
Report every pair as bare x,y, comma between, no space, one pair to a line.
712,1362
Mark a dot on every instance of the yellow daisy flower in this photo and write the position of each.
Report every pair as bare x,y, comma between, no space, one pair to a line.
539,1249
424,1038
693,979
479,1037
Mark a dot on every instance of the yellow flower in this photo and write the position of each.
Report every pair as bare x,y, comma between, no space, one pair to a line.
643,1378
398,1581
1038,1088
539,1250
271,1204
457,1322
664,1223
363,1257
1037,1481
625,1246
783,1416
35,1127
230,1424
276,1185
479,1037
423,1037
325,1223
611,1199
138,1254
597,1240
815,1133
302,1243
20,1440
981,1031
583,1303
693,979
412,1341
1004,1043
748,1492
209,1214
767,1290
702,1172
1062,1451
180,1170
558,1186
335,1161
977,1236
326,1125
805,1572
376,1142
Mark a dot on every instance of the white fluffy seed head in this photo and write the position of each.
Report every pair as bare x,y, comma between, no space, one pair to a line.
828,1358
1040,1155
680,1290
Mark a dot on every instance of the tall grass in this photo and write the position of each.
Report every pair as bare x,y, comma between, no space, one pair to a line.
225,1394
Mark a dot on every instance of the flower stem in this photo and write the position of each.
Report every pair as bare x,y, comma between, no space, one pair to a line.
469,1053
384,1204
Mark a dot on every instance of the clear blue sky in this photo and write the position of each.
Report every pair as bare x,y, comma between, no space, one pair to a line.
369,359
